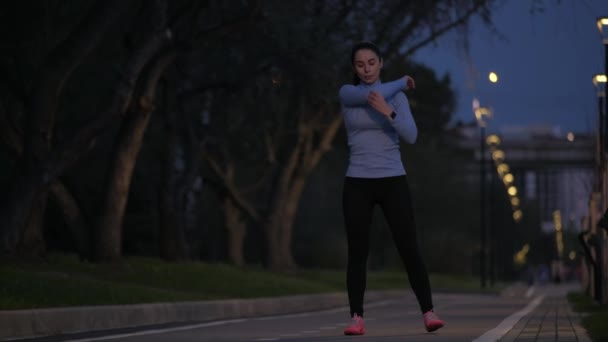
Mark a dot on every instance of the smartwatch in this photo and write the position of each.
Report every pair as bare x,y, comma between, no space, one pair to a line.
393,115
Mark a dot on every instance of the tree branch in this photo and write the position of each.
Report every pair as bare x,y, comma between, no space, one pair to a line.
441,31
64,157
64,58
231,188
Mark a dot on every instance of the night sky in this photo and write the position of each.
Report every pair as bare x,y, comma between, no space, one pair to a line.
545,62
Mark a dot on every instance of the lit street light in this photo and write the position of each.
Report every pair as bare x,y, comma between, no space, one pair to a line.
515,201
517,215
493,77
508,179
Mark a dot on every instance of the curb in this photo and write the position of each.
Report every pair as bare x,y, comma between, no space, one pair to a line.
21,324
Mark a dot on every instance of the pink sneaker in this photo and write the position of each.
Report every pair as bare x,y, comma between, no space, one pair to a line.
432,321
356,326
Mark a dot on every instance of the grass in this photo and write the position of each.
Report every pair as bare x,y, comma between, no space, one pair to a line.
62,280
595,316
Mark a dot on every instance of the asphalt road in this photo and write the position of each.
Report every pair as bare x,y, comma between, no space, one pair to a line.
468,317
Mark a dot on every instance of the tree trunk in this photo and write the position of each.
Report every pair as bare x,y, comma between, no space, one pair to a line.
74,219
303,159
32,244
131,135
273,248
236,227
17,208
109,233
280,227
290,209
59,193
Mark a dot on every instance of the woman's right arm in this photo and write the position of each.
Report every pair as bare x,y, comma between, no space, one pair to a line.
351,95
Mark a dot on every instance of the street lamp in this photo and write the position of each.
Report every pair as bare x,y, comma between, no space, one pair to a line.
599,81
482,115
602,26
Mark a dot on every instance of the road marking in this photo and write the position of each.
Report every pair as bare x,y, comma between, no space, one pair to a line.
508,323
212,324
530,292
158,331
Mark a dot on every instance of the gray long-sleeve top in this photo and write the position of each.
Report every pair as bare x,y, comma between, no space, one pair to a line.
373,138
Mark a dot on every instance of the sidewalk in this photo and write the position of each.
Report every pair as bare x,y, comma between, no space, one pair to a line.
551,320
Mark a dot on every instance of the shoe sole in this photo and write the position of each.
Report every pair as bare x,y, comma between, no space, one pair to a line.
354,333
434,328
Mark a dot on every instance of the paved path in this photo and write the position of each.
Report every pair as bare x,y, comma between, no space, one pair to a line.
539,313
552,320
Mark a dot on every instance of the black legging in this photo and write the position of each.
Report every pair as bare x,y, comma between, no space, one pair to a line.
359,197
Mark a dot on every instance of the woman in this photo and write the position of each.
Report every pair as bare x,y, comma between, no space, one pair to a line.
376,114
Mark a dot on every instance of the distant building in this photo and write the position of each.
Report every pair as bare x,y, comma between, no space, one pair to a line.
549,166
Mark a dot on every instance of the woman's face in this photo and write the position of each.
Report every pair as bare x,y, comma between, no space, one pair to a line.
367,66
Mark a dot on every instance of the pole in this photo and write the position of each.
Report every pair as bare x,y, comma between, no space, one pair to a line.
602,125
482,207
604,128
491,230
600,250
601,141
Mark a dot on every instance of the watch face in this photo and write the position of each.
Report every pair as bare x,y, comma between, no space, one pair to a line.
393,114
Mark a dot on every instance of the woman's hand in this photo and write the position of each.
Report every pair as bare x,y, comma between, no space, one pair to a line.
409,83
379,103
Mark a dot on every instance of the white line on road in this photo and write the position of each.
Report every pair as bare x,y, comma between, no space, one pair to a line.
508,323
211,324
530,292
158,331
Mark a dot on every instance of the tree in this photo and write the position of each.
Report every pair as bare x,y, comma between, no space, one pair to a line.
23,209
